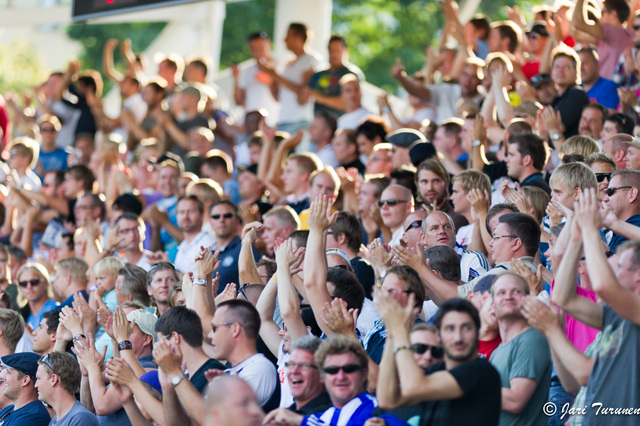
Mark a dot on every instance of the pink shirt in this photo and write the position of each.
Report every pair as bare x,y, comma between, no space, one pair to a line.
580,334
615,40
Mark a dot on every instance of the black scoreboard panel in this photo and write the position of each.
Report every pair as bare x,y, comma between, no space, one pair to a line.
89,9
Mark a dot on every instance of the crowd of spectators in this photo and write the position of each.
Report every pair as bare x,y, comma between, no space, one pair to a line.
474,260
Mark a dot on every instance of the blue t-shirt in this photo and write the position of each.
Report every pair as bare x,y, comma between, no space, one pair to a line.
35,319
619,239
53,160
32,414
605,92
228,269
77,416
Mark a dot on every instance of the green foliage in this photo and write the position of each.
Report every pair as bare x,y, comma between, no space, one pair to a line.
21,67
93,37
242,19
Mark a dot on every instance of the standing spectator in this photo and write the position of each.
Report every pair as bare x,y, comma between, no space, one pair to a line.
352,97
51,156
602,90
190,212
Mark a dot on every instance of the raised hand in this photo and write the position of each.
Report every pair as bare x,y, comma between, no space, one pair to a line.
340,319
540,316
395,317
409,257
380,255
87,354
229,293
168,357
121,328
71,320
251,231
320,216
479,200
118,371
105,319
587,210
533,279
398,69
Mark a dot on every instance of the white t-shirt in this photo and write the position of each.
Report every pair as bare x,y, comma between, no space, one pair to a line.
259,373
327,156
290,110
472,265
258,95
464,234
187,251
286,399
367,317
353,119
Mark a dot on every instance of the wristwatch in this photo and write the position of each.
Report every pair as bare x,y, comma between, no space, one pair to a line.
477,142
79,336
125,345
555,136
200,281
177,379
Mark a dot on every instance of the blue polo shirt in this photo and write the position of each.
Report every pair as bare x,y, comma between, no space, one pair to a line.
228,258
33,414
619,239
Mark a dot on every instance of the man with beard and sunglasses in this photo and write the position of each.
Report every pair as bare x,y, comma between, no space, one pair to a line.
463,389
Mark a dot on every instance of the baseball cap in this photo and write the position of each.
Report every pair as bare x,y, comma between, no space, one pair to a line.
633,141
145,320
24,362
151,378
540,79
128,203
539,27
421,151
404,138
484,283
253,168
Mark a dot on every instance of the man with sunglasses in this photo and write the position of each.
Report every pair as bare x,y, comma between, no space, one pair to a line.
224,220
396,203
464,389
190,211
623,196
343,366
57,378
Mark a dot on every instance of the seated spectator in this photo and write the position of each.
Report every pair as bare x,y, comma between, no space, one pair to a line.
26,409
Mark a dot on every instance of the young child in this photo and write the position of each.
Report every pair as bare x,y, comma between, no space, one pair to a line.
106,273
462,183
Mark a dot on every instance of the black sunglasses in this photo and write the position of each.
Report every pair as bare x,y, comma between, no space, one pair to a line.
414,224
602,176
420,348
225,216
612,190
390,202
34,282
348,368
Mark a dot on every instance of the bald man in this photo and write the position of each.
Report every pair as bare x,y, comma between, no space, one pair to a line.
232,402
396,203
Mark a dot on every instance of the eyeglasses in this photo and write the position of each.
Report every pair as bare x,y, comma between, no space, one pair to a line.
34,282
497,237
47,130
534,36
241,290
46,361
127,230
291,364
348,368
214,327
414,224
612,190
77,207
420,348
390,202
224,216
602,176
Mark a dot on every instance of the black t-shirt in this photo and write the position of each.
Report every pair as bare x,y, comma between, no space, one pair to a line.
480,404
538,181
319,404
357,164
570,105
198,380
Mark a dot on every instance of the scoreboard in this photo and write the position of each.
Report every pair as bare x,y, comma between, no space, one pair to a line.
89,9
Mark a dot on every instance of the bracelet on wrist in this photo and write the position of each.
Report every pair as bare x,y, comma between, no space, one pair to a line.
125,345
402,348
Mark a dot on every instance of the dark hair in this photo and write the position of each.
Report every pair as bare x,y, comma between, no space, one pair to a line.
66,367
620,7
457,305
245,314
185,322
53,320
200,63
624,123
193,198
270,266
339,38
83,173
409,275
347,287
445,260
598,107
405,177
231,204
371,128
524,227
329,119
309,320
348,224
97,200
497,208
534,146
299,29
18,253
519,126
300,237
507,29
258,35
481,22
134,284
161,266
215,162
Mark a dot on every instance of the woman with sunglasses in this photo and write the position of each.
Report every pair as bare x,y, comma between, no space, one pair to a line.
33,293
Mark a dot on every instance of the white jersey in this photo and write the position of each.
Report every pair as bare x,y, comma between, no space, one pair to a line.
472,264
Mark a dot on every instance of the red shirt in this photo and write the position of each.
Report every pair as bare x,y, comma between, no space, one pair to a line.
486,347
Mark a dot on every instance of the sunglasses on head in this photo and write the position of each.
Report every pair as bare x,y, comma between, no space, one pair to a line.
420,348
602,176
390,202
225,216
413,225
636,27
34,282
348,368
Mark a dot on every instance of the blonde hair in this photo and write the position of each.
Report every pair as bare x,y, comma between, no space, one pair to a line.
574,175
581,145
110,264
538,199
473,179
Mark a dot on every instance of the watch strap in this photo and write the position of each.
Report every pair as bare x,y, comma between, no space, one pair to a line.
125,345
200,281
